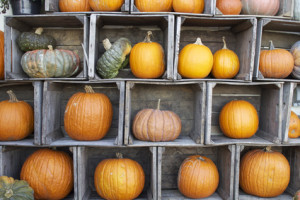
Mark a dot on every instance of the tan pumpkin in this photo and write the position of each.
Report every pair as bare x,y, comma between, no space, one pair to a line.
74,6
156,125
260,7
294,126
188,6
264,173
154,5
229,7
106,5
1,55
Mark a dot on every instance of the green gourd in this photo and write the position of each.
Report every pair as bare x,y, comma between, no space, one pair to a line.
11,189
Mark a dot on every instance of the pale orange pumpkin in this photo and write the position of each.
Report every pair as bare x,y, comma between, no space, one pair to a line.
88,116
226,63
74,5
198,177
147,59
229,7
106,5
1,55
188,6
154,5
49,173
16,119
294,126
260,7
264,173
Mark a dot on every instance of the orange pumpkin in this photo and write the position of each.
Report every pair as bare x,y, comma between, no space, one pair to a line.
294,126
74,5
154,5
226,63
106,5
88,116
195,60
188,6
49,173
147,59
264,173
1,55
119,179
198,177
229,7
16,119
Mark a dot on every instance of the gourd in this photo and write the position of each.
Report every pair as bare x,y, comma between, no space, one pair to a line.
88,116
154,5
12,189
1,55
74,6
106,5
195,60
49,173
58,63
115,58
260,7
188,6
28,41
156,125
295,51
294,126
229,7
16,119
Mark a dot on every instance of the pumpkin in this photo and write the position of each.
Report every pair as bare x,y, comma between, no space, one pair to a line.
49,173
74,6
295,51
11,189
147,59
195,60
115,58
188,6
16,119
119,179
260,7
1,55
88,116
154,5
106,5
58,63
156,125
297,10
294,126
238,119
276,63
264,173
198,177
229,7
28,41
226,63
297,195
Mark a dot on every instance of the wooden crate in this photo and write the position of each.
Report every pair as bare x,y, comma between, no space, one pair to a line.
70,31
89,157
170,159
240,34
283,33
55,99
293,156
187,100
265,97
135,29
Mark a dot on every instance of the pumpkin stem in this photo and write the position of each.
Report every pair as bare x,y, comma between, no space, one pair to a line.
148,37
268,149
39,31
119,155
12,96
50,47
9,193
200,158
271,45
225,46
158,104
198,41
106,44
89,89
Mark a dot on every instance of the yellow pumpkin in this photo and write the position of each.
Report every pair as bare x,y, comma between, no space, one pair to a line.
154,5
188,6
294,126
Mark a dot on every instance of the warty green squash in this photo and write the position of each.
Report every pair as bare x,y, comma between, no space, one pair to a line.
11,189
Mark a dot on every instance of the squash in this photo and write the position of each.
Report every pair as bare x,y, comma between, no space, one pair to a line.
115,58
49,173
147,59
28,41
264,173
106,5
195,60
88,116
1,55
154,5
226,63
188,6
297,10
198,177
229,7
260,7
156,125
119,179
297,195
11,189
74,6
295,51
294,126
58,63
16,119
276,63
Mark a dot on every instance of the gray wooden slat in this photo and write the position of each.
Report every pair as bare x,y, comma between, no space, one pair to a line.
38,110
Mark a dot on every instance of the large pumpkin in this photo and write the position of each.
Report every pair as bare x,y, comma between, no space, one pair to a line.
264,173
295,51
11,189
188,6
1,55
260,7
88,116
16,119
147,59
49,173
119,179
106,5
74,5
229,7
156,125
154,5
294,126
195,60
198,177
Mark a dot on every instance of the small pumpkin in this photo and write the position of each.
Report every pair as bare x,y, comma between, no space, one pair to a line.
188,6
88,116
295,51
264,173
226,63
119,179
297,195
147,59
154,5
49,173
294,126
195,60
106,5
1,55
115,58
74,6
198,177
260,7
156,125
28,41
229,7
13,189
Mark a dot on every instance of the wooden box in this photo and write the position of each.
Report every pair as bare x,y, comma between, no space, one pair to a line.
70,32
240,35
55,99
90,157
265,97
187,100
135,29
170,159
